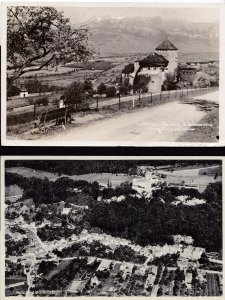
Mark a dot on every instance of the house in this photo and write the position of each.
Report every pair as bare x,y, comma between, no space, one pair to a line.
199,64
104,265
94,281
56,222
66,210
154,67
145,185
23,93
77,286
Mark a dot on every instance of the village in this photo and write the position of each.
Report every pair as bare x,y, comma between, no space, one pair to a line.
44,242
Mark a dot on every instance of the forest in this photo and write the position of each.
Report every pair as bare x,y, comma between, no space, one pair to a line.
154,222
49,192
143,221
78,167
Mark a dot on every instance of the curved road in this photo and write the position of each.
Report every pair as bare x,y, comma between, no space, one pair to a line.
162,123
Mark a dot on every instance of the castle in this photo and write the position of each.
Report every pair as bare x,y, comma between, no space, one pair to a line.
154,67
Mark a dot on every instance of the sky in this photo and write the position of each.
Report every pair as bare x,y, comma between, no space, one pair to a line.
83,14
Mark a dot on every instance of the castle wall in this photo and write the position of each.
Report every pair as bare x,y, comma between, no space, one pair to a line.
157,78
172,57
155,84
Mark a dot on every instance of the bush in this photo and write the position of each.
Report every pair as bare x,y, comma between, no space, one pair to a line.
102,88
34,86
42,101
75,93
13,91
110,91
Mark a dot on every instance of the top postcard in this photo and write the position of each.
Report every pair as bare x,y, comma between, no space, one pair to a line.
113,74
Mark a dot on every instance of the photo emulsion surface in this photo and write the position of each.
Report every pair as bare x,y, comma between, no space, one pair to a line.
113,228
112,75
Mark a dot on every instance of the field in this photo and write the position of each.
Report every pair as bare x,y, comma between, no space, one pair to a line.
191,176
13,193
102,70
101,178
56,270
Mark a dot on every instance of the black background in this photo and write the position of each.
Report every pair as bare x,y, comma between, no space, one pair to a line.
113,151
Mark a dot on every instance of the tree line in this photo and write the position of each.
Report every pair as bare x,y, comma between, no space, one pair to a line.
78,167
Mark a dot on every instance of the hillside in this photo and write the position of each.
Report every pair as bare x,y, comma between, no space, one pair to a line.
139,35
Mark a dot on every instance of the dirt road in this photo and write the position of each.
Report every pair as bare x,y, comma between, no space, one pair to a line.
163,123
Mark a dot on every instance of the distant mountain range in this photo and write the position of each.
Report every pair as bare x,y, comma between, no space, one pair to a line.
142,35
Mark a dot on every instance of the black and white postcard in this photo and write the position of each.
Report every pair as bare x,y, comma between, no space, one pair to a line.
115,227
113,74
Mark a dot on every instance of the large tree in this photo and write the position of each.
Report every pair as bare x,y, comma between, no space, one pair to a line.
42,36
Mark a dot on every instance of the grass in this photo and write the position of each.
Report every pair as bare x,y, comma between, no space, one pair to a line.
13,190
191,177
101,178
204,134
12,280
56,270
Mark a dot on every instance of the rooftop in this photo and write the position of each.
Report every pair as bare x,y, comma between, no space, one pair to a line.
153,60
166,45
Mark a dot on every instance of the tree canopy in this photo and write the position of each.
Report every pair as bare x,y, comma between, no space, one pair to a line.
42,35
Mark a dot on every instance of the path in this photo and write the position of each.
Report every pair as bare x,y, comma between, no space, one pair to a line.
213,96
217,261
158,124
29,279
162,123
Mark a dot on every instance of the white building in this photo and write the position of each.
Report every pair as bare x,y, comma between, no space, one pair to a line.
170,52
154,67
23,93
145,185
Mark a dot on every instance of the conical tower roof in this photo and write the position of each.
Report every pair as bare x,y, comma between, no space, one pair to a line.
166,45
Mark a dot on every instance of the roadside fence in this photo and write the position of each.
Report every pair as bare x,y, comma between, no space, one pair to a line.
136,100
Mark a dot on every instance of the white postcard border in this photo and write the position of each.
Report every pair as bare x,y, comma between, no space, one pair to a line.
21,142
2,221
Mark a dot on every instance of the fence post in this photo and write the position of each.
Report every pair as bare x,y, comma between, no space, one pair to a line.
97,103
151,97
119,101
169,94
187,91
139,98
160,96
34,111
65,116
45,118
176,94
133,102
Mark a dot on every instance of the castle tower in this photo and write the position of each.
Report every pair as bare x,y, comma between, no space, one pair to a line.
170,52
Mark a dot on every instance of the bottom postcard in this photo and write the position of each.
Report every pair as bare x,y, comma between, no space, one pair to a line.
119,226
